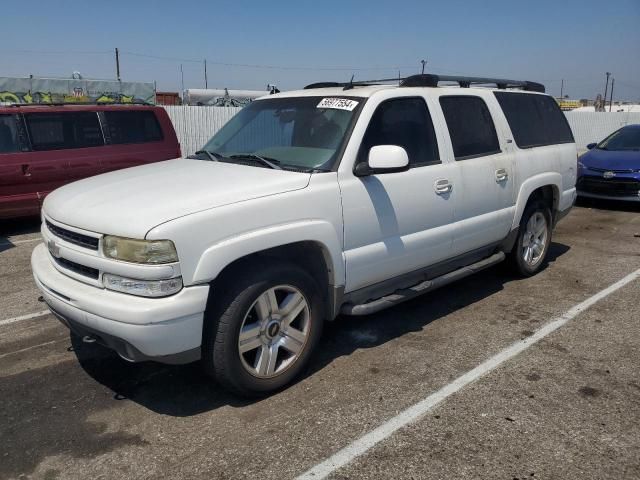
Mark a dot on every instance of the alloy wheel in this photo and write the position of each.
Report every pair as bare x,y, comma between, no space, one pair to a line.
534,241
274,331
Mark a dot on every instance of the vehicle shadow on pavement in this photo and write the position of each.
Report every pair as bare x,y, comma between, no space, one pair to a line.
5,245
20,226
184,390
176,390
612,205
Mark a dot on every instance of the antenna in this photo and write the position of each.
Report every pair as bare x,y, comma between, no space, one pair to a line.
350,85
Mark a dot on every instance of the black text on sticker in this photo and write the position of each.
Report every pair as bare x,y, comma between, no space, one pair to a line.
339,103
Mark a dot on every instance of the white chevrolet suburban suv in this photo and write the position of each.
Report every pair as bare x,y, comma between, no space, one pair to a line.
336,199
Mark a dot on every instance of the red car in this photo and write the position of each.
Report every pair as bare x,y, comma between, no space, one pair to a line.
45,146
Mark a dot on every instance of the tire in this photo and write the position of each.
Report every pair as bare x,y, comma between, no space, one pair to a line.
279,309
525,258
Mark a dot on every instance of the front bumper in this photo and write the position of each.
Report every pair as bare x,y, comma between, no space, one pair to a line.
622,186
620,198
167,330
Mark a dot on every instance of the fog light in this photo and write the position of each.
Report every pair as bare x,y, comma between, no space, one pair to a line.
142,288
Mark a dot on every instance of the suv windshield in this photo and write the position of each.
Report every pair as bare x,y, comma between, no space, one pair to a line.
304,133
623,139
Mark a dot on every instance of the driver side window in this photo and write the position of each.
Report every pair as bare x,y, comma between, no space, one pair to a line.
8,134
404,122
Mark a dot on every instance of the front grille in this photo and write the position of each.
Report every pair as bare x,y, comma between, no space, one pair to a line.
626,170
77,268
73,237
615,186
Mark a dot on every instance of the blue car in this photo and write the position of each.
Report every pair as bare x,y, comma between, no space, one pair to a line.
611,169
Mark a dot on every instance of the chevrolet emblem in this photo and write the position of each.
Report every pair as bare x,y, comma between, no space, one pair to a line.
609,174
54,249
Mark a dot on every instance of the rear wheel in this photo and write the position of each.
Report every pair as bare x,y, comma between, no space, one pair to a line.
534,237
269,323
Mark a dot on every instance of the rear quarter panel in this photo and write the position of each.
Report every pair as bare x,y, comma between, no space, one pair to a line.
537,167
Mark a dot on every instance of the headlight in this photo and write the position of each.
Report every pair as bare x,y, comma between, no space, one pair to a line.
139,251
143,288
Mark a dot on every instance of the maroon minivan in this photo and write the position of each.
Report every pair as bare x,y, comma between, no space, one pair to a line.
45,146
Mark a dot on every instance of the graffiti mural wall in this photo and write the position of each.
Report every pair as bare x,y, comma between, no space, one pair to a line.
54,90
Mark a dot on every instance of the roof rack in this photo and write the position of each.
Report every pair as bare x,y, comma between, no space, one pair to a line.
431,80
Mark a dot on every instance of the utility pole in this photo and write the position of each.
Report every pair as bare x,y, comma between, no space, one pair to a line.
206,83
606,87
182,78
561,89
423,62
117,64
611,98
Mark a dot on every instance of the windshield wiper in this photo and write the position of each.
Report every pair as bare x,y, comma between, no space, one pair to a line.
213,156
269,162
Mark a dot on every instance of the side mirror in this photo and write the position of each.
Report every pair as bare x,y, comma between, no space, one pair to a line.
591,146
383,159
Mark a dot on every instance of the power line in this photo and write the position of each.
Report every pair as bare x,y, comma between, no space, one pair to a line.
271,67
336,68
628,85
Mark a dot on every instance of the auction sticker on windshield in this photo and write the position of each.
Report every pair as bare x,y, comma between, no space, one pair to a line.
338,103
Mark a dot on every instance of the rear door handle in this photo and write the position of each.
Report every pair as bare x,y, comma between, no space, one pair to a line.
443,186
502,175
25,170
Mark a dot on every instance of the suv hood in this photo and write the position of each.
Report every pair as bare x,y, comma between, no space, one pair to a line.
611,159
132,201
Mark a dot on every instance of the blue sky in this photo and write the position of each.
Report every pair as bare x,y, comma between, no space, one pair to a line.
534,40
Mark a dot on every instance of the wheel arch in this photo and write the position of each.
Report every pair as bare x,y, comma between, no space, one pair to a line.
545,187
314,236
314,245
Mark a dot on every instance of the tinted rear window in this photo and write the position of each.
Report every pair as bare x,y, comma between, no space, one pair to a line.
535,120
8,134
470,125
133,127
55,131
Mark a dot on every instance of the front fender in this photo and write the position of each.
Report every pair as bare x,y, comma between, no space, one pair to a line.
218,256
529,186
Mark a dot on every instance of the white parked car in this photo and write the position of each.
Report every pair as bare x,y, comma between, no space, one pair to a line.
307,204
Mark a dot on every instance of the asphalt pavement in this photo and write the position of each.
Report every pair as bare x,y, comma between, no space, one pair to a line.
567,406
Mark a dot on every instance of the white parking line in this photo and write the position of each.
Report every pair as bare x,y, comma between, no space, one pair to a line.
413,413
25,317
26,349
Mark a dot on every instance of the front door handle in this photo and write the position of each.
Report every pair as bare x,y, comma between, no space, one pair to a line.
443,186
502,175
26,170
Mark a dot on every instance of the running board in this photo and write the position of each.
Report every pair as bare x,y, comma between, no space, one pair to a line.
405,294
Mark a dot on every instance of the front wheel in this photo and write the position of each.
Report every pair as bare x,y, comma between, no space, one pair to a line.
534,237
269,323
